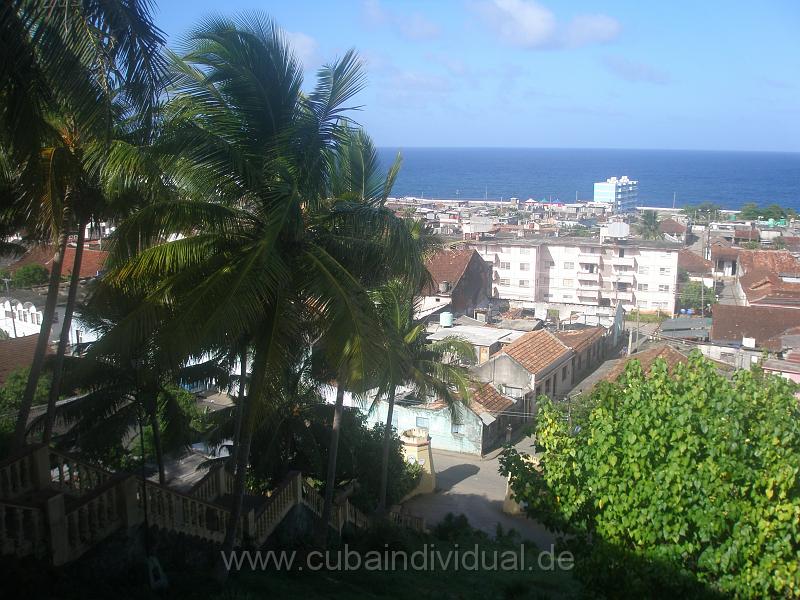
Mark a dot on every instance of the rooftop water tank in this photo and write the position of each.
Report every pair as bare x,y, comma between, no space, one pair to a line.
446,319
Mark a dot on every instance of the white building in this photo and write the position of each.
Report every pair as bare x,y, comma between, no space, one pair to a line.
584,273
621,193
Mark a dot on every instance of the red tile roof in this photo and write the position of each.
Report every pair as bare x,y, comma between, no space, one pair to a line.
774,261
646,360
746,234
536,350
692,263
763,323
671,226
91,263
487,399
580,339
449,265
16,353
724,252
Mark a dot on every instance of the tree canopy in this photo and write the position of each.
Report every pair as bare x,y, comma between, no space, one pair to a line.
680,468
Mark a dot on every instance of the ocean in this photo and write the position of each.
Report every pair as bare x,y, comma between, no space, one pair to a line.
728,179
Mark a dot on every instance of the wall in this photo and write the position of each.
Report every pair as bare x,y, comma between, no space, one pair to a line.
502,369
439,426
473,288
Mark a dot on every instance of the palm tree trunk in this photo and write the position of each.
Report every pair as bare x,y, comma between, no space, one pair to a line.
257,384
159,447
43,341
63,340
387,438
237,427
330,480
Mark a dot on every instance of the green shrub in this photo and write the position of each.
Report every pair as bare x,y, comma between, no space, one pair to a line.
683,469
30,275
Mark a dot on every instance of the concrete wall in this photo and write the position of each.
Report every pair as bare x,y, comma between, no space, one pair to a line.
502,369
473,288
439,426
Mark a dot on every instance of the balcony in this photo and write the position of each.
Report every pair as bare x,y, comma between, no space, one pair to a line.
586,276
626,261
588,259
589,285
617,295
627,277
589,294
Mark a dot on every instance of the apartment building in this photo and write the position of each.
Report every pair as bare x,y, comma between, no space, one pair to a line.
621,193
584,271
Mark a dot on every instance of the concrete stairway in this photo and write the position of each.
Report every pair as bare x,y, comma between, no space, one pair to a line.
56,506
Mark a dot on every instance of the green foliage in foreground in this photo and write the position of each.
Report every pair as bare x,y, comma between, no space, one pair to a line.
686,469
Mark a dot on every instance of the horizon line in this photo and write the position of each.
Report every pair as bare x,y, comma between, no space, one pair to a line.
709,150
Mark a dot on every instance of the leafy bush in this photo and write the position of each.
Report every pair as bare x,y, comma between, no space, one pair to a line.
30,275
10,398
685,470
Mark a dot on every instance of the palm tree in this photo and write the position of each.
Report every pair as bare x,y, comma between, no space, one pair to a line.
649,226
427,368
63,68
262,246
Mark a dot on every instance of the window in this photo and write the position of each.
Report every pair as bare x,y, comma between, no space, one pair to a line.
38,318
567,296
505,265
524,251
664,271
456,428
523,283
423,422
568,282
569,265
548,295
503,281
549,264
512,392
78,336
663,288
524,266
622,252
642,287
644,270
547,387
563,373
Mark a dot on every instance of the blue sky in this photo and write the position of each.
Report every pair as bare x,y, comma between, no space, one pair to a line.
701,74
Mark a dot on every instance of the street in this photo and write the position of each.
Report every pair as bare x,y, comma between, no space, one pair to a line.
473,486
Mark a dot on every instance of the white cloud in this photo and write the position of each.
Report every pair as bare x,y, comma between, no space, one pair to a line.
521,22
529,24
592,29
635,72
304,47
412,26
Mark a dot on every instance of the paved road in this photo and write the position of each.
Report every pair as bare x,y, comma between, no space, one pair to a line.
474,487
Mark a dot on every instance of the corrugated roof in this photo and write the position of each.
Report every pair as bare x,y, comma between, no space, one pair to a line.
536,350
